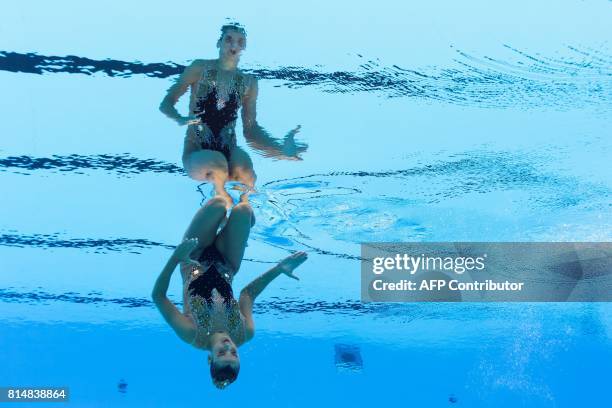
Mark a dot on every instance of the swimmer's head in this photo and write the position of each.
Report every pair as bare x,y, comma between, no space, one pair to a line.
224,361
232,41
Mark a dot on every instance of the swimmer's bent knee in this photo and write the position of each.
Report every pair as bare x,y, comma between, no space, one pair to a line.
243,209
217,202
205,167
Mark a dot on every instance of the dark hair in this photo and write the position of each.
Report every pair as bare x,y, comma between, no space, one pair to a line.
223,375
232,26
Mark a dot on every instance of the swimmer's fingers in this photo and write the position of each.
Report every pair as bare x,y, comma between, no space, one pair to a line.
293,132
292,149
289,274
182,250
291,262
189,120
289,158
194,122
298,258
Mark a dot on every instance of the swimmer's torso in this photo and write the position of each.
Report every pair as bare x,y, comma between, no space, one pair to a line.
209,302
215,99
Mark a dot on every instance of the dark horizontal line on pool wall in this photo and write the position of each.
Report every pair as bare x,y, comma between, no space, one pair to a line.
291,306
121,164
47,241
518,79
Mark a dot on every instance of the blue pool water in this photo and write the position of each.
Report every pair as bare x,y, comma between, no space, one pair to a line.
433,121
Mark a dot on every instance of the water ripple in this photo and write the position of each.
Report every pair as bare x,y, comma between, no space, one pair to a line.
520,79
121,164
329,213
463,173
288,306
270,306
99,245
33,63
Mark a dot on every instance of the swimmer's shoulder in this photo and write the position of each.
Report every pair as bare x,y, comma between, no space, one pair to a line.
197,67
203,63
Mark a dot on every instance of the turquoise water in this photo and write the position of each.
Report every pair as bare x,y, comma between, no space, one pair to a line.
425,122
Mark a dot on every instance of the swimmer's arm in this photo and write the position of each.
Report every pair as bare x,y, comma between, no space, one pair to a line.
180,323
246,308
254,289
250,293
190,75
259,139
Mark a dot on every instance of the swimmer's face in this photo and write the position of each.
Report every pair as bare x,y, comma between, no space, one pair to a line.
231,44
224,352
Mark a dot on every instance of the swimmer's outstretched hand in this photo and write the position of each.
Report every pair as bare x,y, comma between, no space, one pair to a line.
294,131
188,120
291,262
292,149
184,249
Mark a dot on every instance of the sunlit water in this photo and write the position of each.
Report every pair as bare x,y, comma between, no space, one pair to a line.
429,122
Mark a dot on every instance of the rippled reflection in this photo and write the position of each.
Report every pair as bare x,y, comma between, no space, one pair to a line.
518,78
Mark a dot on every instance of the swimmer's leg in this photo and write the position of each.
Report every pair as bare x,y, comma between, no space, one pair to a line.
211,166
232,240
204,225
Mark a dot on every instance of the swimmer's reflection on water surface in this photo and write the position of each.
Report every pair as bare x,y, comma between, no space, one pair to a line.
212,319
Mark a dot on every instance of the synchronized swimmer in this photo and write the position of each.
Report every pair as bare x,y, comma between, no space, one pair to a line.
218,90
212,319
213,245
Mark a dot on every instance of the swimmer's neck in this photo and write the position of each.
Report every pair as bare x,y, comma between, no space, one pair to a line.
216,336
226,64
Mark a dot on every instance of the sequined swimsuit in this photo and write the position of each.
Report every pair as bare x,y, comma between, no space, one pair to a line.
210,299
217,112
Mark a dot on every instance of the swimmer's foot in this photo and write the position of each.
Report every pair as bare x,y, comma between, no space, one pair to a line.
229,202
244,188
246,192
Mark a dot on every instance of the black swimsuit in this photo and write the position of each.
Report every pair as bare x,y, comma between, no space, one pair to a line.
211,303
217,114
204,284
